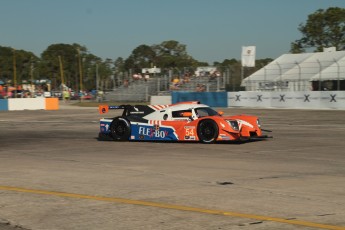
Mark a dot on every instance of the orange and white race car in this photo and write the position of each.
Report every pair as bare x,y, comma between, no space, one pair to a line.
183,121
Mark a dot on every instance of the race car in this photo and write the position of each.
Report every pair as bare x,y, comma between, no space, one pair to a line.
183,121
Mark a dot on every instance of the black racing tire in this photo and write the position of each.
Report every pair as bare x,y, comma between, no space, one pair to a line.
207,131
120,129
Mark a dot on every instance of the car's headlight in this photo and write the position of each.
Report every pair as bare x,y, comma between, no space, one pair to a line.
258,123
234,124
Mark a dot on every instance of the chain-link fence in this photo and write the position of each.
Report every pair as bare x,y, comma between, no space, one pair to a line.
130,89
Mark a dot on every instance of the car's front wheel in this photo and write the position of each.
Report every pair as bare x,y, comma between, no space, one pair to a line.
207,131
120,129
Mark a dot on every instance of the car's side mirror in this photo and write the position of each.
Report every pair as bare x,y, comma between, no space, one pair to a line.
220,113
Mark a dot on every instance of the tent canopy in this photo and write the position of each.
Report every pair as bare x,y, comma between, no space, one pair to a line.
319,66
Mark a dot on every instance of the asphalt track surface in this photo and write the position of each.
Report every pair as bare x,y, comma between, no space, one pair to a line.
54,174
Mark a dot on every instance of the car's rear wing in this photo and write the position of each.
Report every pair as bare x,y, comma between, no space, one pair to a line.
105,108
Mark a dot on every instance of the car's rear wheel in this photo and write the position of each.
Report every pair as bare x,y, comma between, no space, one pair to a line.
207,131
120,129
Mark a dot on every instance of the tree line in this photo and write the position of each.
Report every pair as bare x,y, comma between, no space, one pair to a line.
75,66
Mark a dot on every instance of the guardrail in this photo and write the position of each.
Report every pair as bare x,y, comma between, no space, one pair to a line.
293,100
290,100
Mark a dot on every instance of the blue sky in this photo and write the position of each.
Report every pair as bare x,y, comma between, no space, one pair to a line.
212,30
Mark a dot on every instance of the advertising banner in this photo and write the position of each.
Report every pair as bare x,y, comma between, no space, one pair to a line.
249,99
26,103
332,99
306,99
288,99
283,99
213,99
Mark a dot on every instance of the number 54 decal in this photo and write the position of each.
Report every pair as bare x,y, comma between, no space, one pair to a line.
189,131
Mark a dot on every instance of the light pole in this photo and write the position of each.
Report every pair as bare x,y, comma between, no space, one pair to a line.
61,75
97,79
61,70
32,77
80,71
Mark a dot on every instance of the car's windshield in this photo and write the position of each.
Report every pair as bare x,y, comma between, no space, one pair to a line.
205,111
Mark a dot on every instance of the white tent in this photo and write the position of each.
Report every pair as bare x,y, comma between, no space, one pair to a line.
296,71
335,71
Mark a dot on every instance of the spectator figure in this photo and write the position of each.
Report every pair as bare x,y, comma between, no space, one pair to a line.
2,92
137,76
100,96
203,88
198,88
147,76
175,84
126,83
9,94
66,95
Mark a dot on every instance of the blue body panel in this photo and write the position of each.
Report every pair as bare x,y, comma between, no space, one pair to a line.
105,126
144,131
141,131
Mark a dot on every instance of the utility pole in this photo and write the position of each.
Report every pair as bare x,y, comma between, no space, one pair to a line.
32,77
80,71
62,77
14,73
97,77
